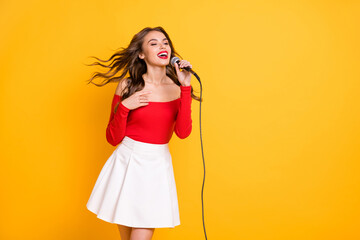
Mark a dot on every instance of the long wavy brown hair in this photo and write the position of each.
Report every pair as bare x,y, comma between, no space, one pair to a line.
127,62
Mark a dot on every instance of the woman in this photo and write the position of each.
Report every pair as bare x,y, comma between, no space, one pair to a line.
136,187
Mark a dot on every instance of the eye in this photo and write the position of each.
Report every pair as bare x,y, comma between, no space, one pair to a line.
155,43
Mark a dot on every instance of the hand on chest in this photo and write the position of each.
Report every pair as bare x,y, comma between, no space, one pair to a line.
164,93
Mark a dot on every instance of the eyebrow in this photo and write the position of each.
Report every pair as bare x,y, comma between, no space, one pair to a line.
156,39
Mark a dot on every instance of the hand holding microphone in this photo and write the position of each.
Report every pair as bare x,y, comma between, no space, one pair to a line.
183,64
184,77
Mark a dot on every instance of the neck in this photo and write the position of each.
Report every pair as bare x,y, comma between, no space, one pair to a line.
155,75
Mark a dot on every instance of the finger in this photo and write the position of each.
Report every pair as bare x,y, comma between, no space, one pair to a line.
176,68
144,92
183,61
143,98
139,92
144,104
186,63
181,66
144,101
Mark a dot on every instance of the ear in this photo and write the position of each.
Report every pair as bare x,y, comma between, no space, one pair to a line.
141,56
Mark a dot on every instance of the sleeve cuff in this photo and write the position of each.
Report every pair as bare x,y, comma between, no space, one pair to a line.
185,91
117,97
185,88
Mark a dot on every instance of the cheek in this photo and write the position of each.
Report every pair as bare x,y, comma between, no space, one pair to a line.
155,52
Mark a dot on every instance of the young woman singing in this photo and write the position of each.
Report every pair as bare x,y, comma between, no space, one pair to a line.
136,187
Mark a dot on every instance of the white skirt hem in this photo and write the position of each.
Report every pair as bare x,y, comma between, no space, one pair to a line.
130,224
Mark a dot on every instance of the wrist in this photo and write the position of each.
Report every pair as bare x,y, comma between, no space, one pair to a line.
185,91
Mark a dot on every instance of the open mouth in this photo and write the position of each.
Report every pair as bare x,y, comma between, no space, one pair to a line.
163,55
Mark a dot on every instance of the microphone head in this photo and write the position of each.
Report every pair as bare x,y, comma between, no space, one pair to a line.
174,60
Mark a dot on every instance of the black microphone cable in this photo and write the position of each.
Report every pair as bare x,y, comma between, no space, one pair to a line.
202,152
173,61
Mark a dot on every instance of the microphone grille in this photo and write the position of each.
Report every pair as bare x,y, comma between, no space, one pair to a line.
174,60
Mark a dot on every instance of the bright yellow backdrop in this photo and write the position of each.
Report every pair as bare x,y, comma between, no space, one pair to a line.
280,116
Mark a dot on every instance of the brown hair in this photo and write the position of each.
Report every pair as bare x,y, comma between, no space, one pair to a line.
128,60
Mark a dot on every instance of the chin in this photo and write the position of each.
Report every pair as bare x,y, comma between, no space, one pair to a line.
163,64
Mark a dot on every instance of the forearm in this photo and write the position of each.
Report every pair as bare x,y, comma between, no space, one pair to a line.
115,130
183,125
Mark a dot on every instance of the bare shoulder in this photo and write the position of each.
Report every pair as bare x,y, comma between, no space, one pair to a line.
121,86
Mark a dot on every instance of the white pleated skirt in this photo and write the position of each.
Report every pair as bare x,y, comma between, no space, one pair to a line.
136,187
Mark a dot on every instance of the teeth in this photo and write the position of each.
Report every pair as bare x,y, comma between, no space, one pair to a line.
163,54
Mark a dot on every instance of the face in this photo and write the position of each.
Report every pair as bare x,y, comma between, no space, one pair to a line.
154,44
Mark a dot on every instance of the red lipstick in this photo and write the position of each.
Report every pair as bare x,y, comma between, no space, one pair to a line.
163,54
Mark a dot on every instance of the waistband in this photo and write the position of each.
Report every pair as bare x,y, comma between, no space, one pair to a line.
143,146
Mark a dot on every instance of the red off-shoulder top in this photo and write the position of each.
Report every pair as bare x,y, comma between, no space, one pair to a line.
153,123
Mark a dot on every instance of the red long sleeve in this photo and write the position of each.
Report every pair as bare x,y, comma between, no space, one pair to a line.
115,131
183,125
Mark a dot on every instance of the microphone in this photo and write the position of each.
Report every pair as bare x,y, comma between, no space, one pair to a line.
177,60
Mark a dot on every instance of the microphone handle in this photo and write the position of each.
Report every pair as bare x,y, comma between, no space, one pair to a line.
186,68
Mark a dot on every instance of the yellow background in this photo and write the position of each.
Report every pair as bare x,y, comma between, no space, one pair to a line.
280,116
